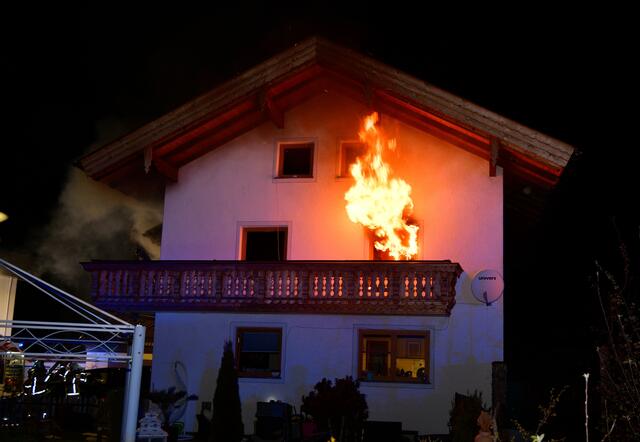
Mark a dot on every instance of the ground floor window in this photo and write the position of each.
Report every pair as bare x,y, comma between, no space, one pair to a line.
394,356
259,352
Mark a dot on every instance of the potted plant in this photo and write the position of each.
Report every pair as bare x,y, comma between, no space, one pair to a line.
169,401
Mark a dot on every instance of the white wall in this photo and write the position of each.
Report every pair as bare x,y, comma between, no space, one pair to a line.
7,300
457,204
317,346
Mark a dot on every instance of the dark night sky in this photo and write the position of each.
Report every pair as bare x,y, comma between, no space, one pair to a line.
66,77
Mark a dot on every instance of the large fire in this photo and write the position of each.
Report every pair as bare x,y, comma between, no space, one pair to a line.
379,202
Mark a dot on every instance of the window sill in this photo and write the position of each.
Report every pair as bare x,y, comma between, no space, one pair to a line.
396,384
260,374
260,380
294,179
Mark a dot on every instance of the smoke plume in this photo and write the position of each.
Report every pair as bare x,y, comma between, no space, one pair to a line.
94,221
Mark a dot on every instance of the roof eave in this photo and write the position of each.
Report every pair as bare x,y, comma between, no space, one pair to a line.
544,155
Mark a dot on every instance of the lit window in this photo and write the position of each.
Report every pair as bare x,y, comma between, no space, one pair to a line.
349,151
295,160
259,352
394,356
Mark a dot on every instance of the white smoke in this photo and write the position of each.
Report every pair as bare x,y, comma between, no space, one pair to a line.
94,221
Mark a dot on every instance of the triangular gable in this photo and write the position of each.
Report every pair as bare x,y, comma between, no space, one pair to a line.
270,89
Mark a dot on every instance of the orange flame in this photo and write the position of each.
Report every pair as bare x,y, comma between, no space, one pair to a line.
379,202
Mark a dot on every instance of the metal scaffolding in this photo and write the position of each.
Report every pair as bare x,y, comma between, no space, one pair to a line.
103,334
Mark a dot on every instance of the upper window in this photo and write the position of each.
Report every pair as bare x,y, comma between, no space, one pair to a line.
349,151
295,159
259,352
394,356
264,243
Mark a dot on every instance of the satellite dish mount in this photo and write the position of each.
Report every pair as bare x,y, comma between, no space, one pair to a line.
487,286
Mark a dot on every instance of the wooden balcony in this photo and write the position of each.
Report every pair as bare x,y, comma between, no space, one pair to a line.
345,287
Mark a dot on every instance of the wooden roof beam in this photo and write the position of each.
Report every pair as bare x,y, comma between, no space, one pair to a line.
493,159
299,94
459,139
382,101
167,170
363,79
527,170
204,144
270,109
212,124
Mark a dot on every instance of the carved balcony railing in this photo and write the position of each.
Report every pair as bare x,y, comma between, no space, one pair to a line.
354,287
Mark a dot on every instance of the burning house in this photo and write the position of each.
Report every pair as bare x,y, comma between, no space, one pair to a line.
327,214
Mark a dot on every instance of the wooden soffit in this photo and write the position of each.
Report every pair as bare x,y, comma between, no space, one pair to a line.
265,92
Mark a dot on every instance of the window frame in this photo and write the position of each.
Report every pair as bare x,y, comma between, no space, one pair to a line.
279,160
393,335
257,374
342,167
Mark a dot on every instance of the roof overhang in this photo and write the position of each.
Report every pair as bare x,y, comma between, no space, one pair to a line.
283,82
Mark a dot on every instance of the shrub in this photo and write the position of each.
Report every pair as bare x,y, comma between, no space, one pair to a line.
338,408
463,416
619,352
547,412
226,421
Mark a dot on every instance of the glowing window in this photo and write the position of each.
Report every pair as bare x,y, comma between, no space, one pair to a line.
394,356
259,352
378,255
349,151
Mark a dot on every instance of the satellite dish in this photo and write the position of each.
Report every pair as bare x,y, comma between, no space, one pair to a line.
487,286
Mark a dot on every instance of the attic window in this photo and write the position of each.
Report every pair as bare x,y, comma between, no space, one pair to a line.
295,159
349,151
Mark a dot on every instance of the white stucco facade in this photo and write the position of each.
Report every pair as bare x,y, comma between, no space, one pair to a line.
459,209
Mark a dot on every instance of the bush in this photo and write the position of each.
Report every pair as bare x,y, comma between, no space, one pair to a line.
463,416
337,408
226,422
547,412
619,352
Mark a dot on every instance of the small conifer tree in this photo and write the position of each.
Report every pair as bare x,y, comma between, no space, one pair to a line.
226,421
